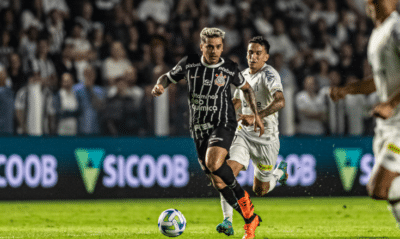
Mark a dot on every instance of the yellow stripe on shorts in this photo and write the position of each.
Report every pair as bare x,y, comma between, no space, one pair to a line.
263,167
394,148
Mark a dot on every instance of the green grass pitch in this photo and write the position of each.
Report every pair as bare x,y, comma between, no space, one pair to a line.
350,217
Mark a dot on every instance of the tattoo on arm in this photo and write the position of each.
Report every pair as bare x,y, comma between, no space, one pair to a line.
164,81
277,104
250,97
237,103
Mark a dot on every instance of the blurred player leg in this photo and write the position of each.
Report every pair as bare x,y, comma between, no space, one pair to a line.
394,199
226,225
384,183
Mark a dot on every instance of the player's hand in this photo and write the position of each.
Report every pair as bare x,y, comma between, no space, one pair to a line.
157,90
258,124
247,120
337,93
383,110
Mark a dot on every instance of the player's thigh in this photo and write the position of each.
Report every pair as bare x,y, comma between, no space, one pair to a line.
201,148
239,154
219,142
387,164
264,160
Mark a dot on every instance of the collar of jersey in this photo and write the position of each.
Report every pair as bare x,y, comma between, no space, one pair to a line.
394,14
212,66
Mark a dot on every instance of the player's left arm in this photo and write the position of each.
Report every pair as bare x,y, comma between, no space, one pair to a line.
237,103
385,109
277,104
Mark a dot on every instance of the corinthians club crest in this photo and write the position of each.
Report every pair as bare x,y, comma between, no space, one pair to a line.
220,80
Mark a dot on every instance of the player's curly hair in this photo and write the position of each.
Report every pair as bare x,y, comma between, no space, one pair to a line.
262,41
211,33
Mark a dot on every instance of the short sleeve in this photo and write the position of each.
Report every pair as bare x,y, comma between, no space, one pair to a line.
178,72
396,35
273,81
238,80
236,94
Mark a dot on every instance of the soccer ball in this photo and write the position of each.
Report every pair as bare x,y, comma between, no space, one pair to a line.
171,223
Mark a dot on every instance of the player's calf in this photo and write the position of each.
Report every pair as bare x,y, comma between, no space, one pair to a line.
261,190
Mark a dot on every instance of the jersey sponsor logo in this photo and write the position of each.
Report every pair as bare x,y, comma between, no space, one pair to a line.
347,161
207,82
270,76
263,167
204,108
220,80
192,65
394,148
205,126
226,71
213,139
176,70
212,97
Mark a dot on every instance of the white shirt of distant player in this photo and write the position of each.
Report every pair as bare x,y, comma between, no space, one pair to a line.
264,83
383,55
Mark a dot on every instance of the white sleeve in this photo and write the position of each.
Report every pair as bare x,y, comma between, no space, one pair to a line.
236,94
272,80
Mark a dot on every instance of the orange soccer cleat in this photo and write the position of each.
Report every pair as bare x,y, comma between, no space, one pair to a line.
250,228
246,206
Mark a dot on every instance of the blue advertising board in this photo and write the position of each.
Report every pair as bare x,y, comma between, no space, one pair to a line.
79,168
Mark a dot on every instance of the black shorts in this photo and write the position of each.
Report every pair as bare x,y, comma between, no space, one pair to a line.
221,137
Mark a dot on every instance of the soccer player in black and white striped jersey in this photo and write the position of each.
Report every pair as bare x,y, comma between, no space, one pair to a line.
212,114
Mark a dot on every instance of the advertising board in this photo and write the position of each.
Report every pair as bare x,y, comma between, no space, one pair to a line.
88,168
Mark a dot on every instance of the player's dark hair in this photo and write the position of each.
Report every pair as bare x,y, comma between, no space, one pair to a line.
262,41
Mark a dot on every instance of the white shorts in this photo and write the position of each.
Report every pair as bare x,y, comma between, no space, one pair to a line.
263,156
386,147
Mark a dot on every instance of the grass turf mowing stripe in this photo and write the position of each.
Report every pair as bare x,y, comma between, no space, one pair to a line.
350,217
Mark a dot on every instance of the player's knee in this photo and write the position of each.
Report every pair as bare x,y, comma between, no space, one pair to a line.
211,166
260,190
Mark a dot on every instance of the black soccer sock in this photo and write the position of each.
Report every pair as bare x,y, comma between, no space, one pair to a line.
226,174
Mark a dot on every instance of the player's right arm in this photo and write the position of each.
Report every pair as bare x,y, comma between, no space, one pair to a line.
176,74
237,103
366,86
162,83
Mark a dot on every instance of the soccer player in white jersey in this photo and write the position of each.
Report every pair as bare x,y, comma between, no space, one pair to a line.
383,55
263,150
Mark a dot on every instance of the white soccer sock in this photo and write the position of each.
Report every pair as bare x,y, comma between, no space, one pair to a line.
227,210
394,190
272,183
278,172
393,195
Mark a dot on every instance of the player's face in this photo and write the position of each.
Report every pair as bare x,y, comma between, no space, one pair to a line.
212,50
256,56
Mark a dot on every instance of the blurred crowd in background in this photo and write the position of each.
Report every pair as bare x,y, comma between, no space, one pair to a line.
82,67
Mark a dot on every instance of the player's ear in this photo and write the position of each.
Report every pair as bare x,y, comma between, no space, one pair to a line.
266,57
